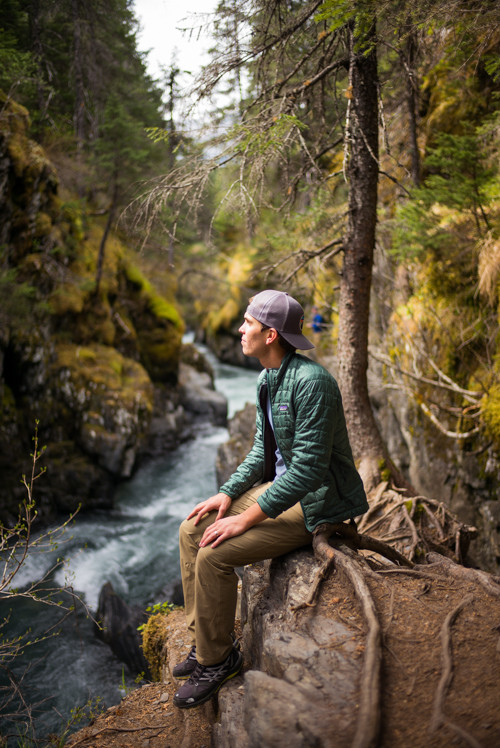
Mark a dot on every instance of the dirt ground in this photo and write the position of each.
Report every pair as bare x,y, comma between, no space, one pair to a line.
147,717
440,671
440,662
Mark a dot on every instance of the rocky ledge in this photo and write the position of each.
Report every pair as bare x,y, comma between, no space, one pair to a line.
327,674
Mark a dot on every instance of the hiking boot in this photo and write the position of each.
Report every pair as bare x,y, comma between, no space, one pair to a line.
184,669
206,680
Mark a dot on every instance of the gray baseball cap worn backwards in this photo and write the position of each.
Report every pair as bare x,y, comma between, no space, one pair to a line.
282,312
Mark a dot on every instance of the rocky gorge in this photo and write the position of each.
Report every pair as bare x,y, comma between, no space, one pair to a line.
104,378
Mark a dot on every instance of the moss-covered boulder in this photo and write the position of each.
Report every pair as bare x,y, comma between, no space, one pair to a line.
110,399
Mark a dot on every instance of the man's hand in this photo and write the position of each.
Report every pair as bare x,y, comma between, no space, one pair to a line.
219,503
228,527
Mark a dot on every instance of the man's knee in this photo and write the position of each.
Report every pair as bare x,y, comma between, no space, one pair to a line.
188,530
185,528
213,560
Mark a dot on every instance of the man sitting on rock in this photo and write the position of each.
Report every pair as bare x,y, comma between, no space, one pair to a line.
299,473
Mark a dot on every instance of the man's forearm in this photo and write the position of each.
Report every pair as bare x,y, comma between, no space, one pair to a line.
253,515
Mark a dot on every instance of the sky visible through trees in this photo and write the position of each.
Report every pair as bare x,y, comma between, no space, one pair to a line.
162,35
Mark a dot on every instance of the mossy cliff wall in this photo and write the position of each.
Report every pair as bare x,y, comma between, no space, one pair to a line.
98,370
435,399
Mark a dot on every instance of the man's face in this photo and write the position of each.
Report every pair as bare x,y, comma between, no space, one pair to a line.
253,337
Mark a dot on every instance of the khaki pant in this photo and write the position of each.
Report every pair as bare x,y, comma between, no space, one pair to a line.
209,581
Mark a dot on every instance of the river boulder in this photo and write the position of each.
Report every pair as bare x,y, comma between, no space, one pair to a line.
117,625
199,398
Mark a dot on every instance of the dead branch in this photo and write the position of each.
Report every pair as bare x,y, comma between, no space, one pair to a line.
437,423
438,717
378,499
434,521
215,71
448,384
442,382
413,530
306,257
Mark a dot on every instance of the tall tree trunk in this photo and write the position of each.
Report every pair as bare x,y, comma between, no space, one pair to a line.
354,306
104,238
411,103
35,28
79,113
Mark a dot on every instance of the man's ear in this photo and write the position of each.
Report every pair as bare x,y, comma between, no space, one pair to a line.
272,335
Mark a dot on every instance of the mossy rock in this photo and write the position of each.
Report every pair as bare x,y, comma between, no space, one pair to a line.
153,644
159,350
72,480
159,306
14,117
111,399
98,379
192,356
157,324
491,413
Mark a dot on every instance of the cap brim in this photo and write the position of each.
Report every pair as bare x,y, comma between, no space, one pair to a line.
300,342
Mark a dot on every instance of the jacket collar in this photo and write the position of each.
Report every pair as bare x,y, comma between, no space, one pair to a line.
275,376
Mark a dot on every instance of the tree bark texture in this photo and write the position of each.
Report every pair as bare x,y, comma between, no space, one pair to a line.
354,306
104,238
79,113
411,103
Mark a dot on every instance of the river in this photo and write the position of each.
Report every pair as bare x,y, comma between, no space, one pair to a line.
135,548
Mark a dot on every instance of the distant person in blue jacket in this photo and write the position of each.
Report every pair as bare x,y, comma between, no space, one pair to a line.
299,473
318,321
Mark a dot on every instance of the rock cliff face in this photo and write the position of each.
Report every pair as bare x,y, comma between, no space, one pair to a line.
100,371
465,480
303,669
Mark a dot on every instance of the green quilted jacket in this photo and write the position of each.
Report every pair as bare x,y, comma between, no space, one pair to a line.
311,433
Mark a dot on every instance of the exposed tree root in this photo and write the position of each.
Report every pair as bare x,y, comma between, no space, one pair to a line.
466,737
415,525
369,716
423,530
86,738
490,582
354,540
368,721
438,717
